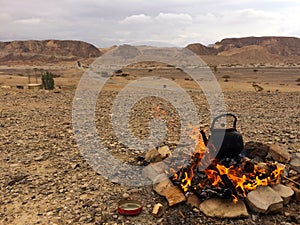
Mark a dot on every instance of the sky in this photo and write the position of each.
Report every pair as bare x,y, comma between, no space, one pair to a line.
156,22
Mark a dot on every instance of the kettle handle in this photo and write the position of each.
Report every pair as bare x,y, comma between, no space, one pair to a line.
223,115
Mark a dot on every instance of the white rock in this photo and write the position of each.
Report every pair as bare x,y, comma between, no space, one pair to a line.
285,192
264,200
223,208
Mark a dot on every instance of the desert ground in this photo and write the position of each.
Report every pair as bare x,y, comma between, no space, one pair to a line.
45,179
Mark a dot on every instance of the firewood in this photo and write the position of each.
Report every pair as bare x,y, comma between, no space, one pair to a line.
161,184
157,210
174,196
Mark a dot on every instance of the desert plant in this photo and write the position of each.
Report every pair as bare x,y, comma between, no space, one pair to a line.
298,80
47,80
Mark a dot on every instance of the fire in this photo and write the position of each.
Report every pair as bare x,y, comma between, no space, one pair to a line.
213,177
245,182
244,176
235,199
186,182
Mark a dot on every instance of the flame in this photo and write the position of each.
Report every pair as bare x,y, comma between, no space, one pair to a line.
244,180
213,177
235,199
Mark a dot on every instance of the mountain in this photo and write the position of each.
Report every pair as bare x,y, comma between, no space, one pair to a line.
246,50
250,50
46,51
200,49
284,46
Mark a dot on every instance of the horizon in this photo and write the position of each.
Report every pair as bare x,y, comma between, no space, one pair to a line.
207,45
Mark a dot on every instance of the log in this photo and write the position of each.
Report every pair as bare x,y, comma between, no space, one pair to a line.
174,196
161,184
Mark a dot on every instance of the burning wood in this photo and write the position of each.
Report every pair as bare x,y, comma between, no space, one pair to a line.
236,177
222,181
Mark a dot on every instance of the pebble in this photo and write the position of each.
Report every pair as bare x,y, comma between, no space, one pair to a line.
125,196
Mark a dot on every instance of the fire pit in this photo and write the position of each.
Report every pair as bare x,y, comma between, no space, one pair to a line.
231,176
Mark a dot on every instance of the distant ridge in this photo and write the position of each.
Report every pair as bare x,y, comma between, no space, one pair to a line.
47,50
251,49
246,50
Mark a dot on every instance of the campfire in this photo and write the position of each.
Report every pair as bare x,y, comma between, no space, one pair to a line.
230,175
233,181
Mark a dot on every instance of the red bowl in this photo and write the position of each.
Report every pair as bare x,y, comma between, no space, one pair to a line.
129,207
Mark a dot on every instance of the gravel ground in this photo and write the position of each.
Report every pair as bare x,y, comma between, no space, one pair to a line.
45,180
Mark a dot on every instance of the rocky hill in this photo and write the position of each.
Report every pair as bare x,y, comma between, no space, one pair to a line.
251,50
46,51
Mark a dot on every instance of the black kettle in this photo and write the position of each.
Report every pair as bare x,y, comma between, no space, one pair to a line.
228,140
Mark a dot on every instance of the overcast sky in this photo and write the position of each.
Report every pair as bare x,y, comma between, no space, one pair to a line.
176,22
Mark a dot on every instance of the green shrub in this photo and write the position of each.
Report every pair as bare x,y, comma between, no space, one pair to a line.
47,80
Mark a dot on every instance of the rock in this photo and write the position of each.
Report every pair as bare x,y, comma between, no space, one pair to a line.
6,87
175,196
296,191
153,156
160,220
157,210
223,208
125,196
196,210
160,167
164,151
279,153
264,200
295,162
285,192
16,179
39,158
149,172
74,165
256,149
193,201
154,169
292,172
